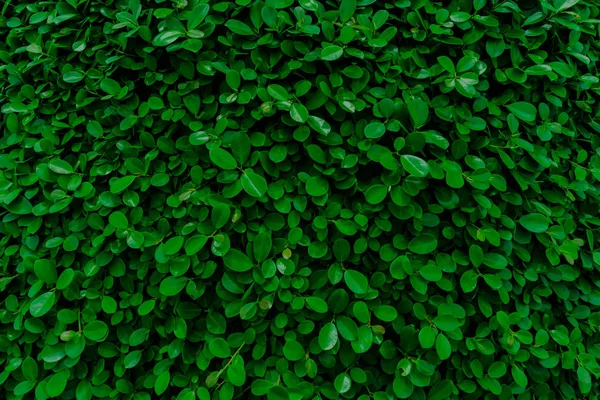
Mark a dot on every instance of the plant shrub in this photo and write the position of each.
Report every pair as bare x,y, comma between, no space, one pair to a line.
299,200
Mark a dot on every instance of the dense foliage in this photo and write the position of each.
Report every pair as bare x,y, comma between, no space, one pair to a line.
303,199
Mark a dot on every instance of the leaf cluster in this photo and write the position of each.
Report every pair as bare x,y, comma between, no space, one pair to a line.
303,199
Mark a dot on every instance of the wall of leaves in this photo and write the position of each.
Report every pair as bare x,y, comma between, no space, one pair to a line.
299,199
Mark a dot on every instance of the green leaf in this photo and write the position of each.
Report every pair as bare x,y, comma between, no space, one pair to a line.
237,261
494,260
347,328
42,304
239,27
171,285
60,166
442,390
584,380
45,270
415,165
374,130
375,194
24,387
132,359
402,387
497,370
254,184
328,336
218,347
293,351
347,10
386,313
559,337
567,4
30,369
317,186
319,125
299,113
342,383
194,244
419,112
431,272
364,341
534,222
241,147
96,331
519,376
278,92
162,382
118,220
446,322
236,371
197,15
173,245
331,53
220,215
110,86
427,336
222,159
317,304
84,390
57,384
423,244
356,281
120,184
523,110
146,307
73,76
442,347
262,246
167,37
468,281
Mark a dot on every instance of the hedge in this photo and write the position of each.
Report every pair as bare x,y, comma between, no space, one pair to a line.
286,200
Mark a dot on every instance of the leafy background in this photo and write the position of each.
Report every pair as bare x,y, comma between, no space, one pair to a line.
299,200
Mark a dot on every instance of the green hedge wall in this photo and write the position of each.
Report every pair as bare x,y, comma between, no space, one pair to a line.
286,200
